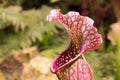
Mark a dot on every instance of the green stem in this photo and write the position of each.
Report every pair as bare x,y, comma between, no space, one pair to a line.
116,7
118,59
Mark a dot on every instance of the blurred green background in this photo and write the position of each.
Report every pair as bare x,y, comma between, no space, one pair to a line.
23,26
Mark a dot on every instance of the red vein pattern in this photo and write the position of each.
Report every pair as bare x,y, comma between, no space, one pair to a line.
79,70
83,35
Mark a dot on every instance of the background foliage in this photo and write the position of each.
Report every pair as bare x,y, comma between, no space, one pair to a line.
23,25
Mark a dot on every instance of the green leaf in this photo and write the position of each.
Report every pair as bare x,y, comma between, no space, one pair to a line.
21,29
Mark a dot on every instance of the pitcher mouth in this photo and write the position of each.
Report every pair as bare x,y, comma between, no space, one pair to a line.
83,36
